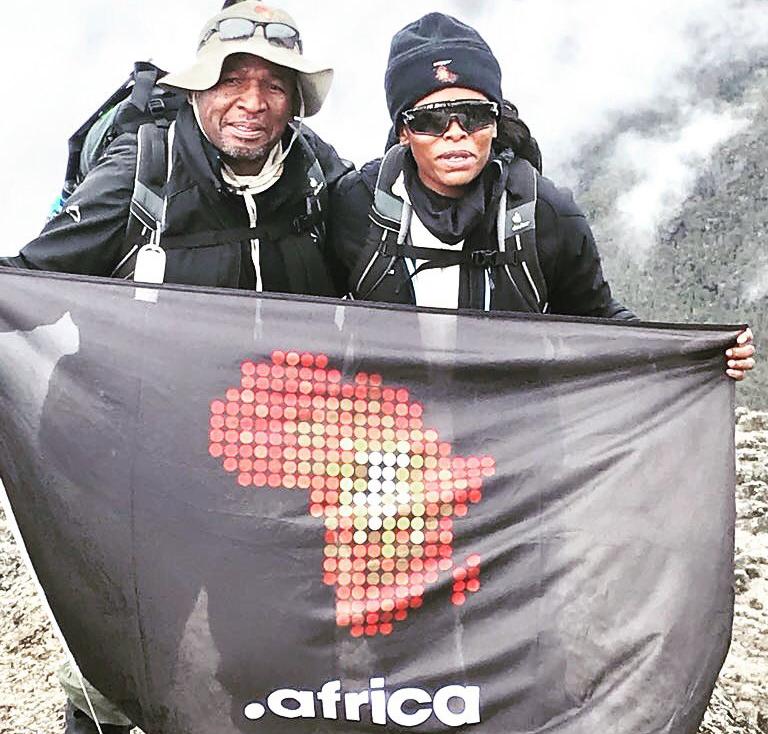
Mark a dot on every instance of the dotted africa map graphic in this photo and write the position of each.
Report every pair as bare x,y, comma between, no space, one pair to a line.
387,489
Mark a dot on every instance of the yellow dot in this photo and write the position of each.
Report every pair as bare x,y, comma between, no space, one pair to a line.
417,551
345,498
446,510
347,470
402,475
404,523
388,537
305,441
444,475
333,470
360,485
318,468
345,551
417,461
388,551
389,523
361,446
387,579
361,511
430,462
402,564
374,564
331,551
361,523
388,447
373,579
304,427
417,523
318,429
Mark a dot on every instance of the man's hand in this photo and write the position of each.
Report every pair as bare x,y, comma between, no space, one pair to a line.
740,358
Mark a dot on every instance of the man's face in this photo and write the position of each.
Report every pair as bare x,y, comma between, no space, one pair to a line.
247,111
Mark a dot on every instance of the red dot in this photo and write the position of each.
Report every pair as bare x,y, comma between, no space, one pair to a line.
401,614
278,357
215,450
292,359
475,495
244,479
248,367
458,598
321,361
307,359
473,585
217,407
357,630
230,464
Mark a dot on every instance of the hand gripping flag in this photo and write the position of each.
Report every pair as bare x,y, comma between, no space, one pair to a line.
263,514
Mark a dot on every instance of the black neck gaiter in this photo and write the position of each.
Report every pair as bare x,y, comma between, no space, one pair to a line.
450,220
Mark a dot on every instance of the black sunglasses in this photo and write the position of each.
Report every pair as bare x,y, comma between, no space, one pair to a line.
435,119
234,29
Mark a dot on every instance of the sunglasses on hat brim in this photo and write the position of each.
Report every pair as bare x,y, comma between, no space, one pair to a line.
435,118
277,34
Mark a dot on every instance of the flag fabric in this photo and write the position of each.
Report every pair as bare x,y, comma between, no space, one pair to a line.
282,514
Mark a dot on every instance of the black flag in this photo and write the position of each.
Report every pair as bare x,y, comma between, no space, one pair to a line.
264,514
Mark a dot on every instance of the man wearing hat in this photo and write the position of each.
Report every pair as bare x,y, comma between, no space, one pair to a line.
243,191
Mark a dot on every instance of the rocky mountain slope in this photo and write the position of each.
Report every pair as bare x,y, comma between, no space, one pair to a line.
710,261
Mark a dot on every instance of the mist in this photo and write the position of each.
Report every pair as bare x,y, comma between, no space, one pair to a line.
633,82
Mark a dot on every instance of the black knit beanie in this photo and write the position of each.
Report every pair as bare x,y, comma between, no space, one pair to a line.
438,51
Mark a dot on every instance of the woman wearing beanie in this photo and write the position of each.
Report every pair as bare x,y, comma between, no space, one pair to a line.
457,213
455,216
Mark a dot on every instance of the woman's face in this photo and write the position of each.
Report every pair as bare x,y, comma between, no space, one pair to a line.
447,163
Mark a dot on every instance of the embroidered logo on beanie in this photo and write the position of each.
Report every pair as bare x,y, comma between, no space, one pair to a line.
443,73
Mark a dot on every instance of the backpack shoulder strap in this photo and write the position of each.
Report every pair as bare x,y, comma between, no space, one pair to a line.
147,207
148,200
387,208
516,231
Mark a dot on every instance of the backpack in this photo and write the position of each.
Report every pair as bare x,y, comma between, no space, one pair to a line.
135,102
514,258
141,107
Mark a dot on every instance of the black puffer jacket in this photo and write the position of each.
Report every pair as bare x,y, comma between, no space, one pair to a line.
567,254
89,237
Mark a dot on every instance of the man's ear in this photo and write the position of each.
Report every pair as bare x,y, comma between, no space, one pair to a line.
403,137
495,130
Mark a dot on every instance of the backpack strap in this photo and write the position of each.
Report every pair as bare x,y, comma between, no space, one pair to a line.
147,207
517,221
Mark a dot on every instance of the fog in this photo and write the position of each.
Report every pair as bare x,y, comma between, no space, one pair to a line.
582,72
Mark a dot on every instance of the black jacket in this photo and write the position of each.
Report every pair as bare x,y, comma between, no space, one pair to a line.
566,249
89,237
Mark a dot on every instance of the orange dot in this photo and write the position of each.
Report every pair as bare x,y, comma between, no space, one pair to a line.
458,599
473,585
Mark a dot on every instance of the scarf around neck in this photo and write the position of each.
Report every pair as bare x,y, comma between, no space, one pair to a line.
452,220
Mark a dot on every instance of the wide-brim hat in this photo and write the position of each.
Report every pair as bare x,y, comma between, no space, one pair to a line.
314,80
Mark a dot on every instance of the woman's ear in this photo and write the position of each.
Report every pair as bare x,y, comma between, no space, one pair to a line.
403,137
495,130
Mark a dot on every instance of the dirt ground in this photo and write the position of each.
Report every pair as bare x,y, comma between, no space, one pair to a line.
31,701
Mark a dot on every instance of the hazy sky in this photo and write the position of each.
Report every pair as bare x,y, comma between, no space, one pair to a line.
573,67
